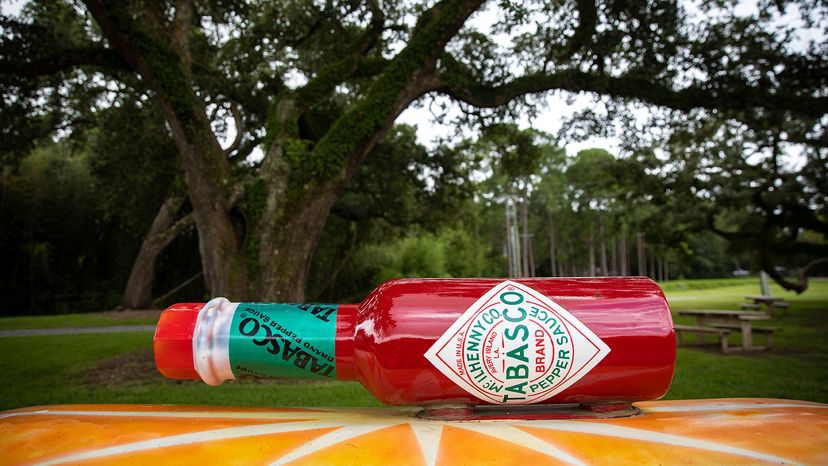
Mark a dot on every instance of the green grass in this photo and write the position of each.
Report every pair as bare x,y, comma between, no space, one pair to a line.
796,369
62,369
94,319
728,293
703,374
707,283
117,368
804,325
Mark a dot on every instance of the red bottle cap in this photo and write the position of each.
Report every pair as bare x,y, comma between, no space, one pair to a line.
173,342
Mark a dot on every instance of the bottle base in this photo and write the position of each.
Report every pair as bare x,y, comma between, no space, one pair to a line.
463,412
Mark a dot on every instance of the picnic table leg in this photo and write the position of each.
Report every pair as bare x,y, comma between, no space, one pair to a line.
700,321
747,336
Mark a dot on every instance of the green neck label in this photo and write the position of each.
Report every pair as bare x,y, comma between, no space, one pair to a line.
283,340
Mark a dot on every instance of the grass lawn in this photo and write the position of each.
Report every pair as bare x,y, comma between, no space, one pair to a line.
796,369
92,319
118,368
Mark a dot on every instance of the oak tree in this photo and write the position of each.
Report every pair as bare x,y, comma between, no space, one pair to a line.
317,86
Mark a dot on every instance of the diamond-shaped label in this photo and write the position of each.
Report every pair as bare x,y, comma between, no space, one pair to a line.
514,345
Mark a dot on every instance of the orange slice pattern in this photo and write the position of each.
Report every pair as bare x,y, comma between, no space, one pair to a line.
726,431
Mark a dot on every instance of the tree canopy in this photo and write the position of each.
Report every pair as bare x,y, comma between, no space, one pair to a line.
273,108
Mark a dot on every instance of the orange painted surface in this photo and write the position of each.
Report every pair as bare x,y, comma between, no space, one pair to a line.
459,446
726,431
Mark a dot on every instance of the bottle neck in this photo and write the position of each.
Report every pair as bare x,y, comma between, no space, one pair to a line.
345,334
231,340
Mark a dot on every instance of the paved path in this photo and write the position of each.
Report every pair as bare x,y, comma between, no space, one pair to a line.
28,332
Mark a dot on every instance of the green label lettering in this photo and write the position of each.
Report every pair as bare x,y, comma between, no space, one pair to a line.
284,340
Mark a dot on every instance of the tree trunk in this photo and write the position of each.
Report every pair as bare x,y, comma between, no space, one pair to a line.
614,256
604,267
509,253
164,66
286,259
516,252
290,229
225,271
287,243
164,229
591,255
622,249
525,246
642,259
659,270
269,257
553,271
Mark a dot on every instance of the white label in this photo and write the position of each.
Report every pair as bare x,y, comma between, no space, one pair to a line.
514,345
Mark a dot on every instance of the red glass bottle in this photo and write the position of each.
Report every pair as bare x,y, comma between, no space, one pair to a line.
443,341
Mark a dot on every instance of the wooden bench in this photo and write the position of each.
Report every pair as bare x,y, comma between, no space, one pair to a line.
721,333
784,305
746,306
766,331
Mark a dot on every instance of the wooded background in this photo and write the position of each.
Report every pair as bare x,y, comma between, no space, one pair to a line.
155,151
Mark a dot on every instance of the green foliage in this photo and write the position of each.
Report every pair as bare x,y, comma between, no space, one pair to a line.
519,153
381,100
451,252
416,256
592,174
706,255
33,105
740,96
134,163
769,212
50,233
69,202
297,150
160,63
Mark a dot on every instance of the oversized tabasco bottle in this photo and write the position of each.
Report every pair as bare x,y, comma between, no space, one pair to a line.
442,341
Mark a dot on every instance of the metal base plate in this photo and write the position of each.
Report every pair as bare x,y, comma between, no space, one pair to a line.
531,412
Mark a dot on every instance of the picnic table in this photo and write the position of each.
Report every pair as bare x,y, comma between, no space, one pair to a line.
740,320
772,302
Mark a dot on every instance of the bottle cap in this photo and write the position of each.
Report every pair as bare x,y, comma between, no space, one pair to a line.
173,341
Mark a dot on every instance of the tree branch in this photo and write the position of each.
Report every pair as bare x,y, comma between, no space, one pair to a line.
237,116
359,129
318,22
60,60
767,265
332,75
183,23
458,83
152,56
587,19
178,227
